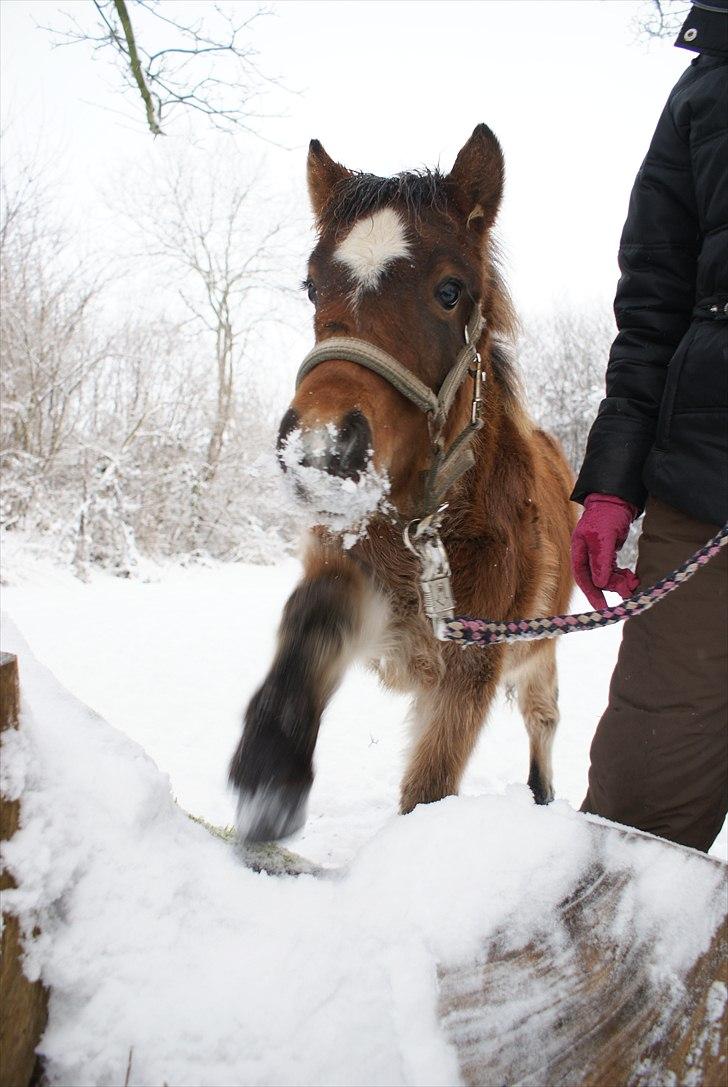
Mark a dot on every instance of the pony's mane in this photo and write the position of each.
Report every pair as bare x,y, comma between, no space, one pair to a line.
361,194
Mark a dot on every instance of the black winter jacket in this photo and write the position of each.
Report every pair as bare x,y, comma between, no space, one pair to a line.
663,427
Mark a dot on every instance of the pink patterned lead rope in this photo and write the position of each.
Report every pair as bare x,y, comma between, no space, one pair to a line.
468,631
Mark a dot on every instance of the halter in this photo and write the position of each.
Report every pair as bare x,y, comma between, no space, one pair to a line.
422,535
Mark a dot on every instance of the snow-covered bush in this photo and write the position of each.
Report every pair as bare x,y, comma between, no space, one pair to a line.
563,358
128,436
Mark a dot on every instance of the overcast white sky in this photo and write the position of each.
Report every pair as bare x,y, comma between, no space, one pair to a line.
573,97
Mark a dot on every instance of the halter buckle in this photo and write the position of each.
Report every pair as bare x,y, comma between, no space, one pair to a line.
476,410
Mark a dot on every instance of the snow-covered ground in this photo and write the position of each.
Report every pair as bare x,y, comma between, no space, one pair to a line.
172,663
157,942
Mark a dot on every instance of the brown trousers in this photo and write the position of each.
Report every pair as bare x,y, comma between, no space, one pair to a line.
659,758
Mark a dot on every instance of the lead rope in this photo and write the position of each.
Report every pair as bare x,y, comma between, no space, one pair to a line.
467,631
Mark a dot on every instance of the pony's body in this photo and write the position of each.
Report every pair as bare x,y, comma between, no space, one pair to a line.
400,263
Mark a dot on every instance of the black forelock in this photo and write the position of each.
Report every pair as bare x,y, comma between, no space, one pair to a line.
361,194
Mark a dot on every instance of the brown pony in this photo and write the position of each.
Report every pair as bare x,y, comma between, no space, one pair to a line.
400,263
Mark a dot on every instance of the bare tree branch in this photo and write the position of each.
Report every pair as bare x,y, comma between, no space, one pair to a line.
207,66
661,18
136,67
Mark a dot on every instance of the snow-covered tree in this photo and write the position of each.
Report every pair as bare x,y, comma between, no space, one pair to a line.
128,435
563,357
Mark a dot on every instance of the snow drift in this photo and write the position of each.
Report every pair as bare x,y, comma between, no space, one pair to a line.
161,949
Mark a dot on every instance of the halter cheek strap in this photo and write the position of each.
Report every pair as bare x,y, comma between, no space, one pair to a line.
447,465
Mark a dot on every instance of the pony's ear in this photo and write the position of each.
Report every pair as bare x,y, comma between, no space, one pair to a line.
476,179
323,174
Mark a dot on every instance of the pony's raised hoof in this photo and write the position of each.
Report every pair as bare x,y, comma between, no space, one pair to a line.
271,772
271,812
542,789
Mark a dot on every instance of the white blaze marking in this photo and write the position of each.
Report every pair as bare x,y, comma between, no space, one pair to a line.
371,245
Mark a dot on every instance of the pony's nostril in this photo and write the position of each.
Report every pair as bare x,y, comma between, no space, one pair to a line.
353,446
341,450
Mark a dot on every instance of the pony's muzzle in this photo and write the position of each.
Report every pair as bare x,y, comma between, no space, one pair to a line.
342,449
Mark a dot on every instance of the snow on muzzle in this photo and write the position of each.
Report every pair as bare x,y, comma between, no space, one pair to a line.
343,451
330,472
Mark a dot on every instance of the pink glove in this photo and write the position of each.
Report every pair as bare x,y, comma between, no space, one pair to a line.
597,538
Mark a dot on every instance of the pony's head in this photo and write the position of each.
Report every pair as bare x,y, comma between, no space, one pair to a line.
400,263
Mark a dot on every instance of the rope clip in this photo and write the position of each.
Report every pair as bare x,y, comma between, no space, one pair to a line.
422,537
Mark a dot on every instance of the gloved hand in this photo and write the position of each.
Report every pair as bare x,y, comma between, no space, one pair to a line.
597,538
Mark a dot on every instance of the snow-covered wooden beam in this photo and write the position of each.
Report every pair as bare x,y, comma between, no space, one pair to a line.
24,1004
603,999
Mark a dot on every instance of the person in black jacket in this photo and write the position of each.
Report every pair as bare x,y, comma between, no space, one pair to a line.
659,759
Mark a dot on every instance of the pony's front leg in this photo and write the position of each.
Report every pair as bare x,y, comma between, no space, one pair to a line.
272,768
447,719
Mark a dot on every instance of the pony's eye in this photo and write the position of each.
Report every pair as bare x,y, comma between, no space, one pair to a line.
448,293
310,288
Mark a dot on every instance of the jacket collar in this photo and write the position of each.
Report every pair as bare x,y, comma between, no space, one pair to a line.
706,29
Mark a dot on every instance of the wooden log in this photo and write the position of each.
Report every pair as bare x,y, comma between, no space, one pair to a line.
585,1009
24,1005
